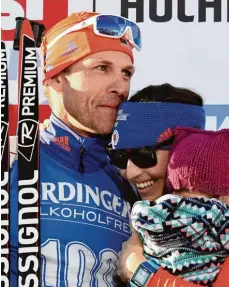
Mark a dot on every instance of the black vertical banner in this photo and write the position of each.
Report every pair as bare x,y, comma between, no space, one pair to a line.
28,163
94,6
5,222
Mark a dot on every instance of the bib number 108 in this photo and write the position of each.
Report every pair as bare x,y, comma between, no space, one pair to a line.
81,267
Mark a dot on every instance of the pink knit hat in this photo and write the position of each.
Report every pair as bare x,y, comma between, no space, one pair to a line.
199,161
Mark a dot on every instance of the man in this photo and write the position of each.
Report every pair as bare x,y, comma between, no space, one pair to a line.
88,65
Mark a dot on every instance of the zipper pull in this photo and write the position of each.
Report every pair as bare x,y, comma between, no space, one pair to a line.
81,164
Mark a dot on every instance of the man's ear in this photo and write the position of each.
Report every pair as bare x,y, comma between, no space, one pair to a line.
57,83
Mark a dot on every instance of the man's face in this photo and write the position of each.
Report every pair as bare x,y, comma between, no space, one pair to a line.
95,87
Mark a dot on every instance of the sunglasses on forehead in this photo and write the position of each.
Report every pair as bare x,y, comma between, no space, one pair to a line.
143,157
109,26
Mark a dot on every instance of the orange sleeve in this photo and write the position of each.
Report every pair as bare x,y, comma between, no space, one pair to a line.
163,278
223,276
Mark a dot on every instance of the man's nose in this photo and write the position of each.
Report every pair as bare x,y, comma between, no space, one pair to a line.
120,87
132,170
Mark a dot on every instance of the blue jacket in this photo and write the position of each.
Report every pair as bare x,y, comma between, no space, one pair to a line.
84,217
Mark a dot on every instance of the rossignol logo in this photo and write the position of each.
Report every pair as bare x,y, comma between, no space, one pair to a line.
3,77
27,126
4,100
5,264
27,216
4,214
5,229
4,132
29,130
28,164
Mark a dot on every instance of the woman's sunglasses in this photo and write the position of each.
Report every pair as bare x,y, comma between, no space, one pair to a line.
143,157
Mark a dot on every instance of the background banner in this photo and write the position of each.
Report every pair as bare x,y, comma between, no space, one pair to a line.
185,43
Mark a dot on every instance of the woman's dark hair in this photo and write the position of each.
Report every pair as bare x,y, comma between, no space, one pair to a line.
167,93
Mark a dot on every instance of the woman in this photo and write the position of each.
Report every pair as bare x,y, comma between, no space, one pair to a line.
149,125
187,231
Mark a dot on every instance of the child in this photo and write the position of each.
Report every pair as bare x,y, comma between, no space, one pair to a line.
187,232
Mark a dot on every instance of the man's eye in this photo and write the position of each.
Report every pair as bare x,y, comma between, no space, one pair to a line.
127,73
102,68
